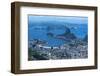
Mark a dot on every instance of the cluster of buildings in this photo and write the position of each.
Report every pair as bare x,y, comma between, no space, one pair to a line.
65,51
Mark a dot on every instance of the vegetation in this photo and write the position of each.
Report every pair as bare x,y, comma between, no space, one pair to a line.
33,54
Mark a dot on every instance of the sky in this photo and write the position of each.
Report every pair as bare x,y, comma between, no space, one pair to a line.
69,19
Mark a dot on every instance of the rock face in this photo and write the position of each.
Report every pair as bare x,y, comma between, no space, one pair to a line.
67,35
86,38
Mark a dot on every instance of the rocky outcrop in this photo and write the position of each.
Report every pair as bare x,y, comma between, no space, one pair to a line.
85,38
68,35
